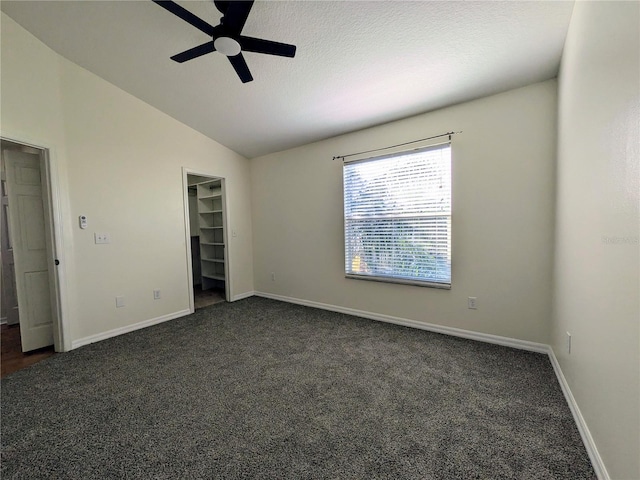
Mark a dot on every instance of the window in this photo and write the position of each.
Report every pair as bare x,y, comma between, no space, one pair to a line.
397,215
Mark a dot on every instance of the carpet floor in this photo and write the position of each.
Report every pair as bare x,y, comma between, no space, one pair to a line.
269,390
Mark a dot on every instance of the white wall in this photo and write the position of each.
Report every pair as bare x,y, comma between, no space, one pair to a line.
597,281
119,162
502,226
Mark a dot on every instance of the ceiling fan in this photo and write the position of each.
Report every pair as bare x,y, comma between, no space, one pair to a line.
226,37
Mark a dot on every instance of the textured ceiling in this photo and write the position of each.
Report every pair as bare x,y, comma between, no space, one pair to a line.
357,64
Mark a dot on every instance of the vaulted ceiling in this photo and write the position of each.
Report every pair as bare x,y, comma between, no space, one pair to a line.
357,64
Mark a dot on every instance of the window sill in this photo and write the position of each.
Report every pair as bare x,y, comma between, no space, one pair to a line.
417,283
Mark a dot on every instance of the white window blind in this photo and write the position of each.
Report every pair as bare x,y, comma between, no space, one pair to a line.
397,213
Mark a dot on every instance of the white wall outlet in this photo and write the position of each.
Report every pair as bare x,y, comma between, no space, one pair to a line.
82,219
156,294
120,302
568,343
273,277
101,238
472,303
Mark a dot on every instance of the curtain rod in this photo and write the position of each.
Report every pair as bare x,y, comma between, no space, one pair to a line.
394,146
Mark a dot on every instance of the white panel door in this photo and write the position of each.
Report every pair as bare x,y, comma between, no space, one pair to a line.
9,308
27,224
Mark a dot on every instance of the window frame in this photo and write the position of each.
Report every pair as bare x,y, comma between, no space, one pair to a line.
392,279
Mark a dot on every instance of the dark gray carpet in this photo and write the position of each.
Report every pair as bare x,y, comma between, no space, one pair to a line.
264,389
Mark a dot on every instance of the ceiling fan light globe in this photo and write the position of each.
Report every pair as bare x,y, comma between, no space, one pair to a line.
227,46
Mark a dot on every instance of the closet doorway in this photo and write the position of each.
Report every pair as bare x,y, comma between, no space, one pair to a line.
207,238
28,273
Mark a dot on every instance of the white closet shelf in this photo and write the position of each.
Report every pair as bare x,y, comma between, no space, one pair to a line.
213,277
205,182
210,206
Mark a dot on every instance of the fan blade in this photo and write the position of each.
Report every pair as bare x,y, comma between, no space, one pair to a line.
241,68
235,15
186,15
259,45
194,52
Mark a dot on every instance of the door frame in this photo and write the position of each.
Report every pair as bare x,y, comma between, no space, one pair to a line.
187,232
54,237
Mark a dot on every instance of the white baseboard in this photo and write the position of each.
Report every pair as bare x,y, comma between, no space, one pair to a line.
587,439
242,295
129,328
456,332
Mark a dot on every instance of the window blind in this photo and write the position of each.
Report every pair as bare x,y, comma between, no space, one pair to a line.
397,213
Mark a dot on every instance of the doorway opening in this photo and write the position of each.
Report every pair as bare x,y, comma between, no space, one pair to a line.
207,230
30,313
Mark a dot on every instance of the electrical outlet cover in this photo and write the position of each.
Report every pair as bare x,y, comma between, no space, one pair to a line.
472,303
